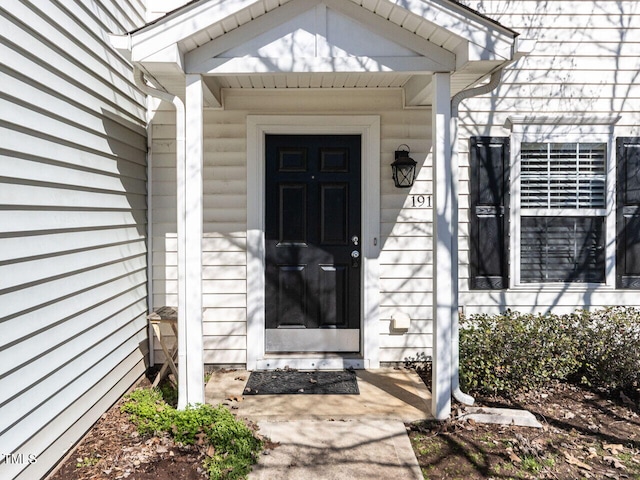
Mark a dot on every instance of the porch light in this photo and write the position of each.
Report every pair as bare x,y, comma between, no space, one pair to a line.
404,168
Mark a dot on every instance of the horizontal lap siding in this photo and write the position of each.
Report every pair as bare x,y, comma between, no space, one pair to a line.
72,225
224,243
585,62
406,233
406,260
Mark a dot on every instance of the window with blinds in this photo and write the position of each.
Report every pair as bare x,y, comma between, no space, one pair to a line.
562,249
558,242
563,175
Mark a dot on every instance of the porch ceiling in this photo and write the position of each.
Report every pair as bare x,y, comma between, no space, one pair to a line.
304,44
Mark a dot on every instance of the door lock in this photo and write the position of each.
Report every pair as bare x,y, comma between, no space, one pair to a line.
355,259
355,240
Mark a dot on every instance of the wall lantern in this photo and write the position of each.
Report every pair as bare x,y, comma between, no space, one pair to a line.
404,168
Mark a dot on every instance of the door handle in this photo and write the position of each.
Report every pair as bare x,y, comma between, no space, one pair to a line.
355,259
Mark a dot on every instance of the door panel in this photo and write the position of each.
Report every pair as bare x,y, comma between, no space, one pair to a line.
313,216
334,228
333,289
293,214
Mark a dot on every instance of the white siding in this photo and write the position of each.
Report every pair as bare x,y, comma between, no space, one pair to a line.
406,232
72,225
585,62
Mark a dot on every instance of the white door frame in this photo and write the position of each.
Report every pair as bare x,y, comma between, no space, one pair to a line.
368,126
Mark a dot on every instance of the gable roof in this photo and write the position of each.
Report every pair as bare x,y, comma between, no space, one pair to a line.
314,43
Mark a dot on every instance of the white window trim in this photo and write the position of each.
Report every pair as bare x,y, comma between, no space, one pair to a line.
368,126
558,130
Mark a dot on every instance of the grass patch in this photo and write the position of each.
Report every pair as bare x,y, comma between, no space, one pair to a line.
531,464
86,462
231,446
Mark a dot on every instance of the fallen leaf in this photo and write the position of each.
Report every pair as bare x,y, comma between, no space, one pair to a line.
513,457
211,451
614,448
571,460
614,462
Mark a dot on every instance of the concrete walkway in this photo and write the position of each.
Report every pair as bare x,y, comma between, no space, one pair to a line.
327,437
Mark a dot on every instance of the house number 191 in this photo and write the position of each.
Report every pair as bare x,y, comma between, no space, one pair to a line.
420,201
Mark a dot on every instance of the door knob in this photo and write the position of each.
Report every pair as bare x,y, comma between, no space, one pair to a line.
355,259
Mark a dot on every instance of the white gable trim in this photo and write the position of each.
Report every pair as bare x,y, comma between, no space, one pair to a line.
392,31
486,35
188,21
244,33
368,126
412,53
481,38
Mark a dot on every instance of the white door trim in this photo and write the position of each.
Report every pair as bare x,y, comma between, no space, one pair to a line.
368,126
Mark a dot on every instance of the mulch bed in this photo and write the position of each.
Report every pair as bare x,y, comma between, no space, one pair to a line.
113,449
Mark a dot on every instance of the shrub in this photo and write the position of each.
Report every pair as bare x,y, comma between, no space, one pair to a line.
230,444
610,348
514,352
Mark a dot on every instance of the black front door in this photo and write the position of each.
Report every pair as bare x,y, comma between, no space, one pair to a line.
312,235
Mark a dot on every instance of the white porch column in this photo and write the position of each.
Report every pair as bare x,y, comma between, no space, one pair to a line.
444,245
190,218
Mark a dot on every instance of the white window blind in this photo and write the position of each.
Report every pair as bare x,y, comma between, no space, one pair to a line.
563,175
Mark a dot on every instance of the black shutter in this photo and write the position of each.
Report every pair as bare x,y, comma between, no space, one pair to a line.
489,214
628,213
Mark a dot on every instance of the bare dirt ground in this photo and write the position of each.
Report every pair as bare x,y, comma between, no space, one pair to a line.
585,435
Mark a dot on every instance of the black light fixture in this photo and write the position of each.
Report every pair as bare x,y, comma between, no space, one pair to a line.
404,168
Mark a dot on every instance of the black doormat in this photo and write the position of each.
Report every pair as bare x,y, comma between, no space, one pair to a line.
290,382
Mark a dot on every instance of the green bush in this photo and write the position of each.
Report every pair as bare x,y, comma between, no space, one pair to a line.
515,352
610,347
234,444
